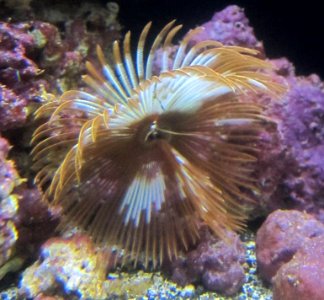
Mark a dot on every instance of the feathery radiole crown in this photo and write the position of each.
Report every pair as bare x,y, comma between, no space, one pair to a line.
146,158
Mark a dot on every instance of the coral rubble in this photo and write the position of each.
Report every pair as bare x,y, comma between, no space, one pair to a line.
65,266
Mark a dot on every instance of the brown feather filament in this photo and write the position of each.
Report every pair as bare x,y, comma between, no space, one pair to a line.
145,158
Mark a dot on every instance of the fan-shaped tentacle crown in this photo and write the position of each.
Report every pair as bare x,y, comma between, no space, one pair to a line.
146,157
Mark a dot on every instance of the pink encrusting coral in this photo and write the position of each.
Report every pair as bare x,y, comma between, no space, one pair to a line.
302,129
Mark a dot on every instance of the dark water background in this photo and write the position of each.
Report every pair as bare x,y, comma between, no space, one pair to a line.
294,29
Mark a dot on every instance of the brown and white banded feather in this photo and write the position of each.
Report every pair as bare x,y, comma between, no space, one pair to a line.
145,157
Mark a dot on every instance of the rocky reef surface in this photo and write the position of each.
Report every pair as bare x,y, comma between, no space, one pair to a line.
45,51
9,179
289,249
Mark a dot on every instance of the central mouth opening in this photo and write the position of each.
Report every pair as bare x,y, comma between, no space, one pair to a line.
155,133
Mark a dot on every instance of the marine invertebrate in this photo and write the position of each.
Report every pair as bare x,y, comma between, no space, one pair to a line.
146,157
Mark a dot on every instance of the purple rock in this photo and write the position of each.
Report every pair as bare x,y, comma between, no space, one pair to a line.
18,84
297,168
35,58
230,27
9,179
12,109
281,236
302,129
302,277
215,263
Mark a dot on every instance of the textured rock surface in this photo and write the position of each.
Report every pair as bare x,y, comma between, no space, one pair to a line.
294,174
215,263
281,236
36,56
302,277
73,268
71,265
230,27
9,179
301,128
18,74
24,218
34,222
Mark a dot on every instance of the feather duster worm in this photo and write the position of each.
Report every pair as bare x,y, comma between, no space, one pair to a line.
146,157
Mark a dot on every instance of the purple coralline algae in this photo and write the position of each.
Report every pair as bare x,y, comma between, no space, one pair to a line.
35,58
34,222
24,218
301,127
230,27
18,74
291,168
291,171
216,264
282,234
302,277
9,179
